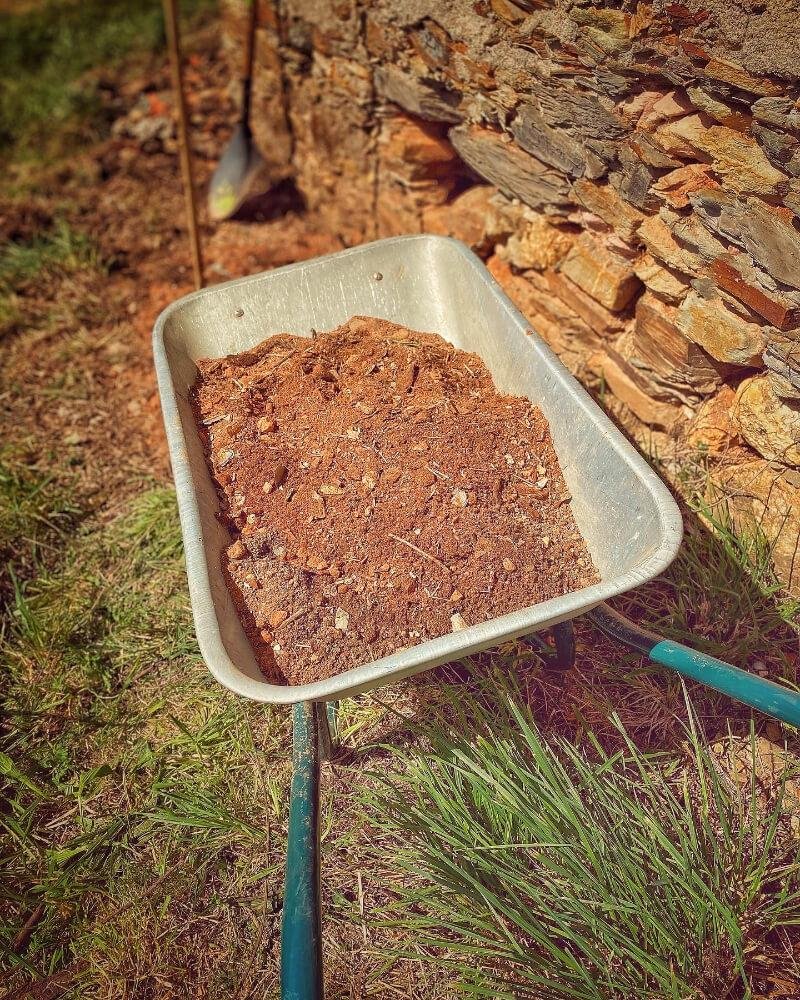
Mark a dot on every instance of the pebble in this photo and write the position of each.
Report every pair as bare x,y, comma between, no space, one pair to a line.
277,618
456,596
341,620
237,551
457,623
508,566
391,474
276,479
266,425
460,498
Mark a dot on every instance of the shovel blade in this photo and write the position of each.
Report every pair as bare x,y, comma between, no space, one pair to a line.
235,172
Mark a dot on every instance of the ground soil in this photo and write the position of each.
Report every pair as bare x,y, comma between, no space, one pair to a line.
382,492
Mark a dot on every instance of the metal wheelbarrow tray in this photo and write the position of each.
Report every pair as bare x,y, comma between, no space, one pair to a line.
629,520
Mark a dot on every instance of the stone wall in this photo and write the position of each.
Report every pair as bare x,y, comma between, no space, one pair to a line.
631,174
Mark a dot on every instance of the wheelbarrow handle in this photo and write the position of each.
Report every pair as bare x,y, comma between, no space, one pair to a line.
301,928
757,692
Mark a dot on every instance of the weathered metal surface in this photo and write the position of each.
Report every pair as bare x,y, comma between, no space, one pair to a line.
627,516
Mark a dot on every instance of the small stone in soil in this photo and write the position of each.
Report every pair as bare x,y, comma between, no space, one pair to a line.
277,478
457,623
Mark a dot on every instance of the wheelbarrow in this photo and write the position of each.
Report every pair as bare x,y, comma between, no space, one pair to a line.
631,523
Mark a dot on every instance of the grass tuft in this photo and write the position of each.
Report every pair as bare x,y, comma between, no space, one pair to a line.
61,248
34,513
534,869
59,251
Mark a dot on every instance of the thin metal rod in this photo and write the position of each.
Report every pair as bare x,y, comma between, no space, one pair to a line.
174,46
301,932
328,736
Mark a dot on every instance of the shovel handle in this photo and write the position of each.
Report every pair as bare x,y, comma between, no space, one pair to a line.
773,699
301,928
248,55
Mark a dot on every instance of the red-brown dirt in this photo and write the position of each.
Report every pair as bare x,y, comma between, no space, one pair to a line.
382,493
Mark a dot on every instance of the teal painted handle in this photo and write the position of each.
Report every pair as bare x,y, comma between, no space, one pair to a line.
758,692
767,696
301,931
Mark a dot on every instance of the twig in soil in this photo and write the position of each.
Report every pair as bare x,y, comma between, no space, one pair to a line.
420,551
436,472
23,936
361,907
292,618
262,376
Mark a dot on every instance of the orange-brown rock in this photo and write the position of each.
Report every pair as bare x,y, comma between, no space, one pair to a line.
470,217
712,428
536,243
737,158
415,150
548,314
605,202
767,420
608,277
762,497
658,238
667,106
661,281
734,273
675,186
678,363
508,11
621,378
604,322
728,72
417,167
726,336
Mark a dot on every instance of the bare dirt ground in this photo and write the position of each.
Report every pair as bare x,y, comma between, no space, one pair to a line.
125,196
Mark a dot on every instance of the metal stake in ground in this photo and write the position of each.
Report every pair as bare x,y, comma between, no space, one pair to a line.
173,44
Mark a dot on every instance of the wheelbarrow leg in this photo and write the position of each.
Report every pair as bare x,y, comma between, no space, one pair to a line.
301,931
564,636
564,640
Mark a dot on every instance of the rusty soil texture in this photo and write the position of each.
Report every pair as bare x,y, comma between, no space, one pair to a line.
382,493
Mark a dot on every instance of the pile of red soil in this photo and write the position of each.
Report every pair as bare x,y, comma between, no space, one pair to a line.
382,493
